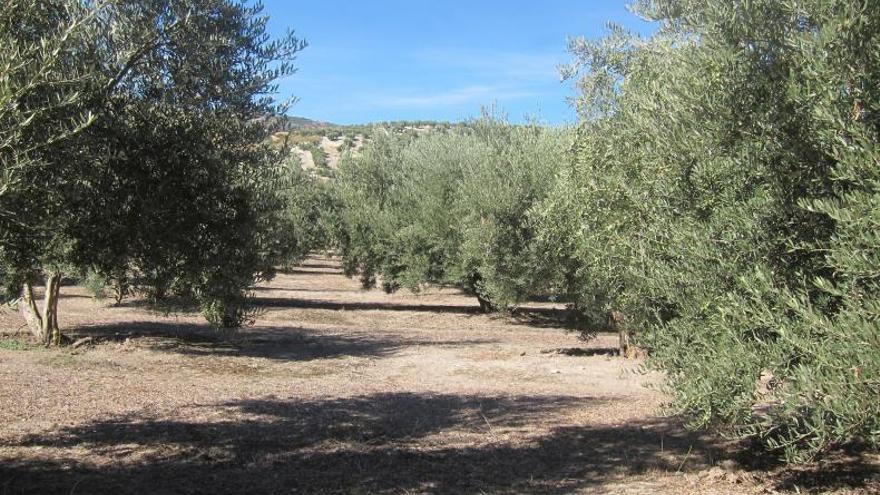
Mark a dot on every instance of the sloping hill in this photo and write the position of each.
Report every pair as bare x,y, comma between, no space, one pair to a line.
292,123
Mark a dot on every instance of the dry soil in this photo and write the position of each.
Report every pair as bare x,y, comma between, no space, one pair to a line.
341,390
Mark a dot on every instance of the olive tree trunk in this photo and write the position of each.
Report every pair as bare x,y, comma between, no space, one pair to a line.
486,305
623,335
43,323
618,322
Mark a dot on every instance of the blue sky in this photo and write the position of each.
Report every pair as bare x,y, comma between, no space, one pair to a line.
383,60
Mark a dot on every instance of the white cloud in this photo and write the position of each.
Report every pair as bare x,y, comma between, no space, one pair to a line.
455,96
444,80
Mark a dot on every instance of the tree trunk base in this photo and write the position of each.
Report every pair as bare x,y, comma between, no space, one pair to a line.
616,321
486,305
625,348
43,324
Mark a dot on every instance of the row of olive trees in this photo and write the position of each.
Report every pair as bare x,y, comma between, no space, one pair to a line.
721,202
448,208
130,139
724,204
309,214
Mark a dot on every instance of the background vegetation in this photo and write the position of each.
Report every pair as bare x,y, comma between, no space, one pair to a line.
448,208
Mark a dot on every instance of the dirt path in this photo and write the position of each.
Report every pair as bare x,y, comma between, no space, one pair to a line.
339,390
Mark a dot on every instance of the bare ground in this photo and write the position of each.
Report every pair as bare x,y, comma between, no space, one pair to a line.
339,390
331,148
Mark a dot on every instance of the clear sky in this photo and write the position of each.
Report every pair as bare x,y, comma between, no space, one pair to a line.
382,60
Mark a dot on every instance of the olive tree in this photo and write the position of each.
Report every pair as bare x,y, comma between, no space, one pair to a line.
397,217
450,208
720,206
310,213
517,169
169,187
47,88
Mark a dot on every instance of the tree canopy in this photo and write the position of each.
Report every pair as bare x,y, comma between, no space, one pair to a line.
154,173
724,196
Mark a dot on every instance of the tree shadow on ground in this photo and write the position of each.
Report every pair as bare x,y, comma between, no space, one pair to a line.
843,470
383,443
541,317
292,302
328,290
278,343
583,351
532,316
68,295
313,263
310,270
850,467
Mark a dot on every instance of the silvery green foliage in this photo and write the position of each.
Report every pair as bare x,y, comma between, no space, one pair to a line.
310,214
520,166
726,201
168,186
399,200
44,85
449,207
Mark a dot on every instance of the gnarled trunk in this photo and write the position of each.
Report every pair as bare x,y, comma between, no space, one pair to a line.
43,324
618,322
120,289
623,335
486,305
30,312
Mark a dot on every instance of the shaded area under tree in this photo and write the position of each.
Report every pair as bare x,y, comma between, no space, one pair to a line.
370,444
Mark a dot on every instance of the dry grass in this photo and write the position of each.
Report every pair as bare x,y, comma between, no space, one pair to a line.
338,390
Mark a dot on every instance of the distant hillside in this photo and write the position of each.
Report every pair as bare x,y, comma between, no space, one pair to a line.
291,123
320,146
304,123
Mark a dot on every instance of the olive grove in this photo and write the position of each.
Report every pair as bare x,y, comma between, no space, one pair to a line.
717,205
